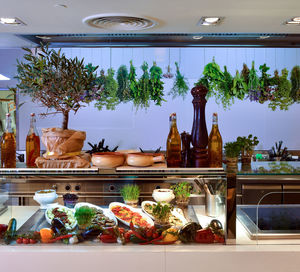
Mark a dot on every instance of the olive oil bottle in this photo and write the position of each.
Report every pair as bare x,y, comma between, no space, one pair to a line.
32,143
8,145
173,144
215,145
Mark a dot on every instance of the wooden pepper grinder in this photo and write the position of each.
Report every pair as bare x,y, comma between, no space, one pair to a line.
199,131
186,149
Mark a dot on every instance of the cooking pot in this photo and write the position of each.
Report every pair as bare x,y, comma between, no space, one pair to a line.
144,159
108,159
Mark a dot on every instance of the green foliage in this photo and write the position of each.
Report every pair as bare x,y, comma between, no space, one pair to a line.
109,89
182,190
245,73
123,84
144,86
232,149
226,96
162,212
130,192
253,79
295,81
180,87
156,84
55,81
239,88
247,144
84,215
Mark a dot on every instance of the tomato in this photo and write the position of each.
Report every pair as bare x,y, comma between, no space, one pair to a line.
32,241
155,235
149,233
25,241
20,240
127,235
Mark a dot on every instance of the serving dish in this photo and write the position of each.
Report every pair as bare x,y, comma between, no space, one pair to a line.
108,159
176,220
45,197
106,212
69,212
128,214
144,159
163,195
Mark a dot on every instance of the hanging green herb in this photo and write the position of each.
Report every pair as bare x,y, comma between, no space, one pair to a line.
225,95
133,84
108,91
253,84
295,80
123,84
239,88
264,82
245,73
180,86
282,96
144,87
156,84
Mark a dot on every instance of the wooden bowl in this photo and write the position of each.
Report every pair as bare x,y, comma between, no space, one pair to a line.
108,159
144,159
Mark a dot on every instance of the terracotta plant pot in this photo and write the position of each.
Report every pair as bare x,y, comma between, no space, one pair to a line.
182,204
231,165
108,159
144,159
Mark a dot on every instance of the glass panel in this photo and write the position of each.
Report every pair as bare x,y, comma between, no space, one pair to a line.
265,223
5,208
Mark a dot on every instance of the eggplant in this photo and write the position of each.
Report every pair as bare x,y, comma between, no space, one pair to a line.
89,234
215,224
188,232
58,226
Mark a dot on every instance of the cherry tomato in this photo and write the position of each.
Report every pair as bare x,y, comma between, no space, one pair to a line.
32,241
149,233
19,240
25,241
155,235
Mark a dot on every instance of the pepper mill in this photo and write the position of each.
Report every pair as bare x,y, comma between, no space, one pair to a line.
199,154
186,149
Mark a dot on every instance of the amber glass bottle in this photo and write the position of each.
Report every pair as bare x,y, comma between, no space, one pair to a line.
32,143
173,144
215,145
8,146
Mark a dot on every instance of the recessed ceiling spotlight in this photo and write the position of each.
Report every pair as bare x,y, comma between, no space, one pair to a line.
43,37
208,21
2,77
60,6
197,37
293,21
263,37
11,21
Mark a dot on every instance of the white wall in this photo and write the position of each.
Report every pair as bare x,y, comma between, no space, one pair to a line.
149,129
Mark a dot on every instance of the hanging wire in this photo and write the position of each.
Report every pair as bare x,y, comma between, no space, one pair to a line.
168,74
110,57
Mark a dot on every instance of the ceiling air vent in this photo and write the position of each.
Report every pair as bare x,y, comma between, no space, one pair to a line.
119,22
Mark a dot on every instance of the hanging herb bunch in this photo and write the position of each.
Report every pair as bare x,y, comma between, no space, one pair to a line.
180,86
239,88
295,81
265,83
253,84
123,84
144,87
133,85
225,87
156,84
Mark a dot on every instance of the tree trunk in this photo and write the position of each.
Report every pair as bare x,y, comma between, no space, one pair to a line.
65,120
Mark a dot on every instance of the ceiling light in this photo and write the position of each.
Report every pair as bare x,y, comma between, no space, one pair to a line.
197,37
11,21
263,37
208,21
2,77
43,37
293,21
296,19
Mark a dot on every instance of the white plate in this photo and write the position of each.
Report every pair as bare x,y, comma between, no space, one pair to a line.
174,212
106,212
145,216
65,208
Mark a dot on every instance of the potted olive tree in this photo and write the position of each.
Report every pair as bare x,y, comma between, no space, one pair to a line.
62,85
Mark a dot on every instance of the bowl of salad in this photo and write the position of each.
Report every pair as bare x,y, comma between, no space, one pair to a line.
63,213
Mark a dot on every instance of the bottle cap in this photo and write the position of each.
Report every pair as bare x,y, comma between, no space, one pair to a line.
32,114
7,114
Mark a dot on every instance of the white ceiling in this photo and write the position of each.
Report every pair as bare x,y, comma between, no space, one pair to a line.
177,16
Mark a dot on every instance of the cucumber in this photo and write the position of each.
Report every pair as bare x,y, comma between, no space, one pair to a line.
11,231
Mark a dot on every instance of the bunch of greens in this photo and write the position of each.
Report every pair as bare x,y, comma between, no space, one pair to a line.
264,82
247,144
295,81
245,73
123,84
133,85
239,88
130,192
156,84
144,86
232,149
180,87
182,190
84,215
162,213
253,84
225,88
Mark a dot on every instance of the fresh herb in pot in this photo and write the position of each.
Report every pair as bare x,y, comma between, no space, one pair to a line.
130,192
84,215
247,144
180,86
232,149
162,213
182,191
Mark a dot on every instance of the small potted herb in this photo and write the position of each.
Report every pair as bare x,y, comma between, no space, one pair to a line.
182,191
232,151
247,145
84,216
161,213
130,194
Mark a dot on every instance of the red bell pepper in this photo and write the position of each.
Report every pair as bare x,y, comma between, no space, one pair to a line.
204,236
107,238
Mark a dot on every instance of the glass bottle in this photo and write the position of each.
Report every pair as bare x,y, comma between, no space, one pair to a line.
173,144
32,143
8,146
215,144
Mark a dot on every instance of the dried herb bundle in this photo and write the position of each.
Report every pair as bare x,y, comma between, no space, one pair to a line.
180,87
